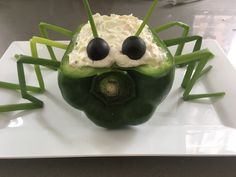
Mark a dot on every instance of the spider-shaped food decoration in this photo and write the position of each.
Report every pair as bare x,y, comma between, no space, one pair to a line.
116,69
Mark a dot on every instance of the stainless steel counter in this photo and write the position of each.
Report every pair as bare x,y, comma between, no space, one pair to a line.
215,19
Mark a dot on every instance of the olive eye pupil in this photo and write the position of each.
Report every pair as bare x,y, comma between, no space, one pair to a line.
97,49
134,47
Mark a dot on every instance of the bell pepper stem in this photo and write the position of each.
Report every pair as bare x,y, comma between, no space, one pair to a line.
113,87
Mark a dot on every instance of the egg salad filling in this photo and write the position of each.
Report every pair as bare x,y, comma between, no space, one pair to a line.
114,29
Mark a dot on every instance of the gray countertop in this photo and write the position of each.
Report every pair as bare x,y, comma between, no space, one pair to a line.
214,19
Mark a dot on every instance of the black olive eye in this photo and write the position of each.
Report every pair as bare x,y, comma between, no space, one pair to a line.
97,49
134,47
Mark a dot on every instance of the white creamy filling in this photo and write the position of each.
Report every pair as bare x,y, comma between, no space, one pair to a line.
114,29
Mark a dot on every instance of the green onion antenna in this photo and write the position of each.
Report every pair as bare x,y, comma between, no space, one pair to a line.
97,48
146,18
90,16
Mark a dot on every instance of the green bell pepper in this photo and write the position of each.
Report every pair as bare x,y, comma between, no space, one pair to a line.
116,97
113,97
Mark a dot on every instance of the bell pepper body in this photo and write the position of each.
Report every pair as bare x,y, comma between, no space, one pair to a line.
131,95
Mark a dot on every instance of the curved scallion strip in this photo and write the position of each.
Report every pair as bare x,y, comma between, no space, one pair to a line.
90,16
146,18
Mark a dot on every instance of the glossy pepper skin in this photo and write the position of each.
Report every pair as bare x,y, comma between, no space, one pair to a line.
146,94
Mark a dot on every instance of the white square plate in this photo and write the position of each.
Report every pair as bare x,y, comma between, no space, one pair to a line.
203,127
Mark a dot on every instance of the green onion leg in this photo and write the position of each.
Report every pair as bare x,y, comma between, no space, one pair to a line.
22,86
13,86
193,57
197,46
35,103
49,42
203,56
43,27
198,70
191,66
185,33
17,107
205,71
34,53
